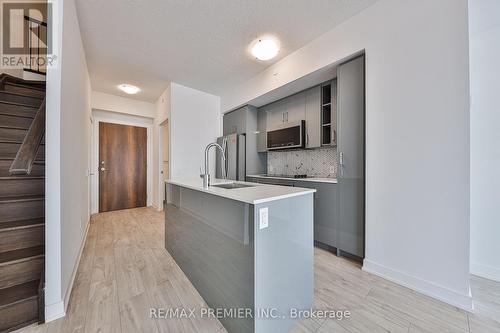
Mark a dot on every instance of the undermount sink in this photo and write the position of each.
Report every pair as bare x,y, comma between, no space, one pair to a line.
230,186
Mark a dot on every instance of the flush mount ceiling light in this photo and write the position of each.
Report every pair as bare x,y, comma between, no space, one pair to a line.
129,89
265,49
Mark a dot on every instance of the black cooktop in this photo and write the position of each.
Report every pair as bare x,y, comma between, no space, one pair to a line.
288,176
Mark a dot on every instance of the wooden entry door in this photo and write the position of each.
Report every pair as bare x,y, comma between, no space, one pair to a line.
122,166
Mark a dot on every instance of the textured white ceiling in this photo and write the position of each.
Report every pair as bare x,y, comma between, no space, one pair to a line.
202,44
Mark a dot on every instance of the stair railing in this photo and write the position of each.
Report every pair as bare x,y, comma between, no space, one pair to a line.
39,28
26,155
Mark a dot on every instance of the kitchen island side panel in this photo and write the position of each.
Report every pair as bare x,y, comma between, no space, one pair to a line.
207,237
234,263
284,262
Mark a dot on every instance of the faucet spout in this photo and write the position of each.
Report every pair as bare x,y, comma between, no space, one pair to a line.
206,175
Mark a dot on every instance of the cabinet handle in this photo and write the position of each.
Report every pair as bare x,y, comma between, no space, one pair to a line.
287,117
341,163
307,138
283,117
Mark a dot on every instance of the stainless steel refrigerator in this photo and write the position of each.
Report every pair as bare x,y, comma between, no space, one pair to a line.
234,146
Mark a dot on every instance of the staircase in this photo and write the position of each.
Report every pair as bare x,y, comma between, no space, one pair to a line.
22,202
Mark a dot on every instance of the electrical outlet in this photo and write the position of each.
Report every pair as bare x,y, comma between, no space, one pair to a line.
332,169
263,218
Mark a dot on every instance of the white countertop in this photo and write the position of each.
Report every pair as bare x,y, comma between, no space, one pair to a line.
256,194
312,179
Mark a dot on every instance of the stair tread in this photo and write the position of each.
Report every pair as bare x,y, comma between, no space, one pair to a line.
21,177
18,293
16,255
16,141
25,86
19,104
7,78
22,198
20,94
22,224
38,160
14,127
11,114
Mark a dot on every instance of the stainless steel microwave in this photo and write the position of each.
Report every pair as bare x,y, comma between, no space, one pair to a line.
287,136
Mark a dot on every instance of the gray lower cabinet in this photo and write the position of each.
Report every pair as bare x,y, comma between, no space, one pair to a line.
326,207
326,212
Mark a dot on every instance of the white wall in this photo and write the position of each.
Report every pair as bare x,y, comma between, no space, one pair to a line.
417,136
108,102
162,108
68,142
485,137
195,122
75,146
54,305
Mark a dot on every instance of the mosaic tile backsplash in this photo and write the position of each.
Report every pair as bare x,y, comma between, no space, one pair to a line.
319,162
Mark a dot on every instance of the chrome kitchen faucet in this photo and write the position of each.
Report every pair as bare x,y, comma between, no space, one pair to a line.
206,175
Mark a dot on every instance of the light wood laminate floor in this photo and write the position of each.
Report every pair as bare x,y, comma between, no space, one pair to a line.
125,270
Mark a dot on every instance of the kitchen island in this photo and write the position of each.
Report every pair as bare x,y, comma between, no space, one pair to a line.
246,247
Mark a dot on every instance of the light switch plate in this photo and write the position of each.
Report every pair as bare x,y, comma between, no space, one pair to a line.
263,218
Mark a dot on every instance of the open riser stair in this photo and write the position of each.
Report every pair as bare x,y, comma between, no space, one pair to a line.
22,202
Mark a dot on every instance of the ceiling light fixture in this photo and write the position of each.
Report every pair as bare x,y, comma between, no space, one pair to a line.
265,49
129,89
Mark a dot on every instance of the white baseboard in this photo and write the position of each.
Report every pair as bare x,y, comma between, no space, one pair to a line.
485,271
427,288
67,295
54,311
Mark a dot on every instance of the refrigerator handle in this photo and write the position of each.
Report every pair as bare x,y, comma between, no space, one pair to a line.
224,145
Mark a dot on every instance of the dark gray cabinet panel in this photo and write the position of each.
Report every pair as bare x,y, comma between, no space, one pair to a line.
235,122
350,80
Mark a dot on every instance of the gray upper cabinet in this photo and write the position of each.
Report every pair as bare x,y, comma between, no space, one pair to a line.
261,129
275,114
235,122
295,108
245,121
305,105
351,92
312,116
